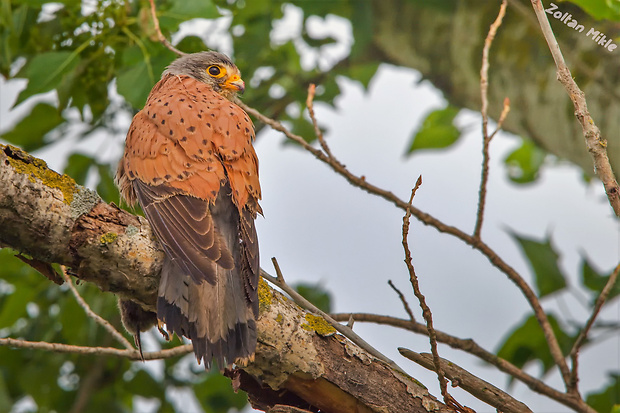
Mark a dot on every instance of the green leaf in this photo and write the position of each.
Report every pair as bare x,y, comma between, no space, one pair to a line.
437,131
543,261
30,131
608,399
143,384
600,9
363,72
142,71
183,10
527,343
316,294
106,188
216,394
595,281
46,71
78,166
524,163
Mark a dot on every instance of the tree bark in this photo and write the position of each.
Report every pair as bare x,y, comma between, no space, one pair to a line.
301,363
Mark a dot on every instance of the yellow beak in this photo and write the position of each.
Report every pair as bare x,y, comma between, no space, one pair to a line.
236,83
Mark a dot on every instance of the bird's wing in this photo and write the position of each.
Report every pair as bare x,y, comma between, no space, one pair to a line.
184,146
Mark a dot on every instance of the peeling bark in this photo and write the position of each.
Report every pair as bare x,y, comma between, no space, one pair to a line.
301,365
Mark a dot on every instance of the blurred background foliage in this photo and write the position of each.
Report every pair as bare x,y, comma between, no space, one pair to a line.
103,57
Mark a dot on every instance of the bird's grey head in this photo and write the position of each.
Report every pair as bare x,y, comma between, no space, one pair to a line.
212,68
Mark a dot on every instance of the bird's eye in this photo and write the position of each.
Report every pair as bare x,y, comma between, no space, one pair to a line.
216,71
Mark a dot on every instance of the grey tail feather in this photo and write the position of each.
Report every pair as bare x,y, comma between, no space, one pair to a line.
216,318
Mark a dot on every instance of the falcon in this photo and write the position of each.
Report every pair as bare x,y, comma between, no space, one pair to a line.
190,164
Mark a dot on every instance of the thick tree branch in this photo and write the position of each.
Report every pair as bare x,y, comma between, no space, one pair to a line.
49,217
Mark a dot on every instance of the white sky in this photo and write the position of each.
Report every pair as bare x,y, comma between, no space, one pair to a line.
323,230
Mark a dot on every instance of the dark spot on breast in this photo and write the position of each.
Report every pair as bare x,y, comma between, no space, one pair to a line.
200,151
169,112
190,106
204,141
234,152
213,115
199,116
171,133
213,193
166,104
180,176
156,179
227,133
238,127
182,120
191,129
163,121
154,115
186,173
208,124
181,100
184,138
167,177
131,174
247,130
209,168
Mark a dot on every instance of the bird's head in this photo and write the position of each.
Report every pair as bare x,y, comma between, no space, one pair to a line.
212,68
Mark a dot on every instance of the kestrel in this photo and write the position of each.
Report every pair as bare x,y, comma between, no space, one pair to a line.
190,164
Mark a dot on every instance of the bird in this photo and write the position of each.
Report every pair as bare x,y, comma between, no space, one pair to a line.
189,162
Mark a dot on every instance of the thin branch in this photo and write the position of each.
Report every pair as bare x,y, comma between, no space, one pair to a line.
402,300
160,35
344,330
100,351
426,311
486,138
317,130
471,347
480,389
581,339
502,118
90,313
427,219
596,144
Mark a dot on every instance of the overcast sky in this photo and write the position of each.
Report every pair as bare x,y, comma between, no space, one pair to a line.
322,230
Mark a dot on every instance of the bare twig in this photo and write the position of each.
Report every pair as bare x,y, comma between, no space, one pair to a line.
317,130
596,144
471,347
581,339
101,351
90,313
426,219
426,311
402,300
502,118
474,385
486,138
279,281
160,35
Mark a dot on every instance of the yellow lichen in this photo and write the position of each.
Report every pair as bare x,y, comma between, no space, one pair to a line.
318,324
279,318
264,295
36,168
108,238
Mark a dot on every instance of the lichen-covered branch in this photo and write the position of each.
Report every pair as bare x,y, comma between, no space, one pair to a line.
300,358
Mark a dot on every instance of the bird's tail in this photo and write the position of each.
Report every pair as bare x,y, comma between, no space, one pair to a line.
215,317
